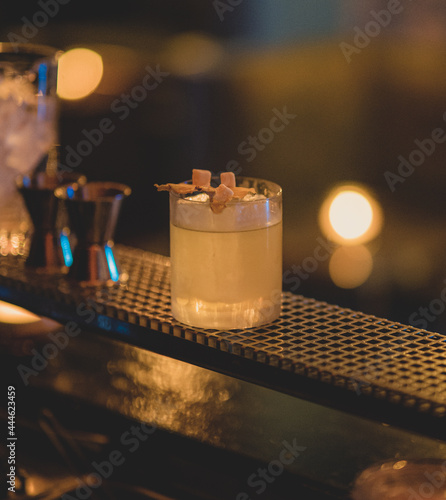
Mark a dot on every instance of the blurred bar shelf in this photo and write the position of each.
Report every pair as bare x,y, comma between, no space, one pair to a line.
342,359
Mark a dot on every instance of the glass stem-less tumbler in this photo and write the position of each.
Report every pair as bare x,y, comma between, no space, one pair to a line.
227,267
28,124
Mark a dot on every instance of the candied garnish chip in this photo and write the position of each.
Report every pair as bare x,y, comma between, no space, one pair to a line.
201,177
222,195
218,197
228,179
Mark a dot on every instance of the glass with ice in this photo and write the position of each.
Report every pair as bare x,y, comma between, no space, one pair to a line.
28,120
226,256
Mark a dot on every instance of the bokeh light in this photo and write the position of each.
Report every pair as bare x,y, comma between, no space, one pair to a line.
80,72
15,315
350,266
191,54
350,215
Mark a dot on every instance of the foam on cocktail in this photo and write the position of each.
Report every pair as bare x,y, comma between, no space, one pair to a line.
239,215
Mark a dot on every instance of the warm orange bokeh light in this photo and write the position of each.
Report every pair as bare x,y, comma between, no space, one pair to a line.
350,215
191,54
80,72
15,315
350,266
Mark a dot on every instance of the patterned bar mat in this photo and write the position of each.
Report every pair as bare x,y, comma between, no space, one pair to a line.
350,350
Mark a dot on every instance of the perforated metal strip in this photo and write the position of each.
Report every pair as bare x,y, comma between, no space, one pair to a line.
348,349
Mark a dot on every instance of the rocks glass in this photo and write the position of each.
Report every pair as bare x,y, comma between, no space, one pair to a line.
28,124
227,267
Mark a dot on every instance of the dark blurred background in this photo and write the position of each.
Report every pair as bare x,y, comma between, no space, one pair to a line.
357,84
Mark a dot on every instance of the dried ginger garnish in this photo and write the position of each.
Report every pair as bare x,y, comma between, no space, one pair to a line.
177,188
218,197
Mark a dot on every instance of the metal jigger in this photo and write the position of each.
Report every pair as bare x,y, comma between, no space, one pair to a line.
49,246
93,211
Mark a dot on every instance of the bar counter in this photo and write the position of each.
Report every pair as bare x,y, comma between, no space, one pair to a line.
312,399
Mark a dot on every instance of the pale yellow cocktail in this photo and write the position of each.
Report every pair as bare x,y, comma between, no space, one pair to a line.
227,267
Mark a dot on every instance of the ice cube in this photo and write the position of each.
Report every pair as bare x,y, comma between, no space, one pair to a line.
202,197
27,131
253,197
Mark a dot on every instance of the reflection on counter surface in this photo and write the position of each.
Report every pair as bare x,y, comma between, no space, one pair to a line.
232,415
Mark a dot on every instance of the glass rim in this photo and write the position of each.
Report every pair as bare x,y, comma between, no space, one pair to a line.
30,48
272,185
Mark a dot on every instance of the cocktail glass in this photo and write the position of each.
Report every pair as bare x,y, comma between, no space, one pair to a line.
28,126
226,268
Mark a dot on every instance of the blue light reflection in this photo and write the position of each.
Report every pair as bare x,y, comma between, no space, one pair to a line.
66,249
70,192
112,267
42,86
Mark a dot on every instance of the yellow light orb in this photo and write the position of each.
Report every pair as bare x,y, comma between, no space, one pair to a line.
350,215
80,72
350,266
